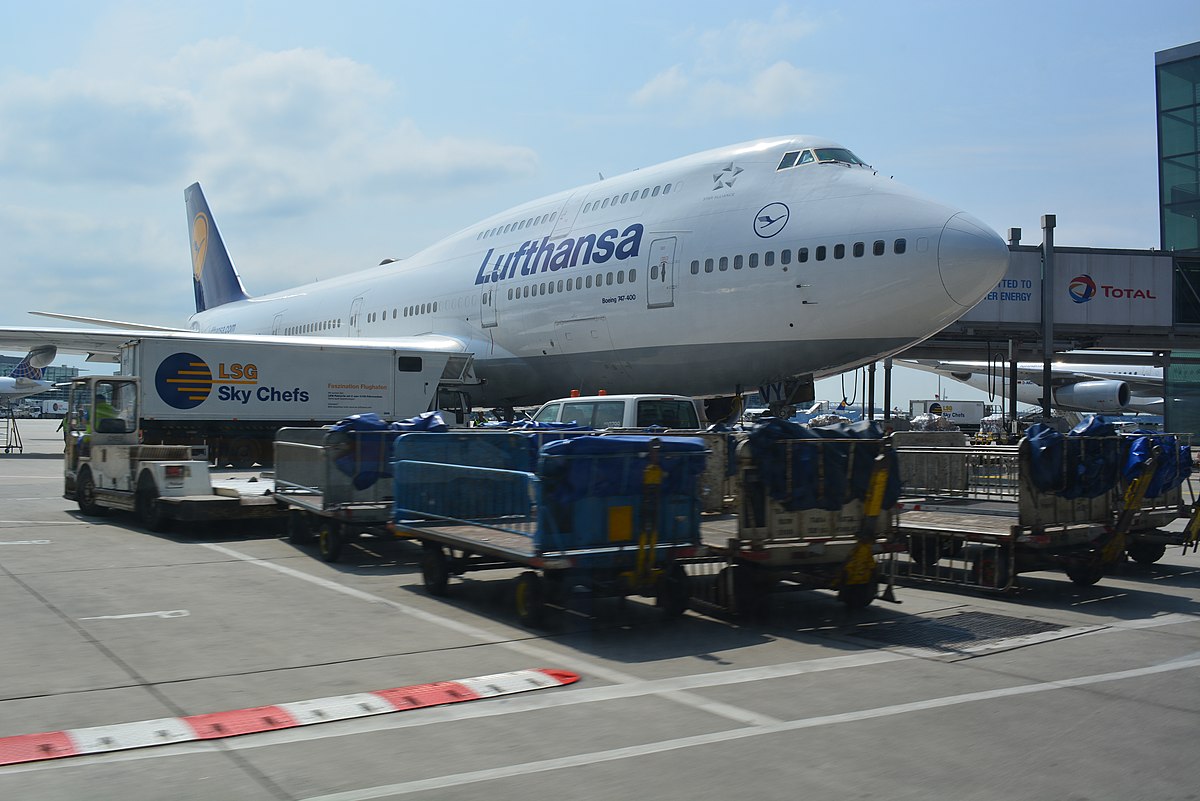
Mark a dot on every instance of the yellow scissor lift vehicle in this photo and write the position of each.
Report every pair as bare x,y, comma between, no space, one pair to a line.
980,516
815,511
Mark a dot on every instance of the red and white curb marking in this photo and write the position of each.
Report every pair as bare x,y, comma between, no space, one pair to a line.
145,733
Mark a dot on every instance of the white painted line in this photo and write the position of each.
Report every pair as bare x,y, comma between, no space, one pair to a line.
167,614
542,655
25,542
645,749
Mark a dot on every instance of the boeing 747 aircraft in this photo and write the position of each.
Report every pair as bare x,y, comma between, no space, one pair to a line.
1109,388
764,264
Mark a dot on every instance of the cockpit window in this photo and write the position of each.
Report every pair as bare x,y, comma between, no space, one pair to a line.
794,158
827,154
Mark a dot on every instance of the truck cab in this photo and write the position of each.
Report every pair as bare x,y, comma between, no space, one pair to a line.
622,411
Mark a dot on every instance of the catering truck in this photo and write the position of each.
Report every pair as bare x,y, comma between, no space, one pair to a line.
966,414
231,397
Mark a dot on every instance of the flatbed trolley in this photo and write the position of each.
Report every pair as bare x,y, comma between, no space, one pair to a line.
602,516
815,512
336,485
979,517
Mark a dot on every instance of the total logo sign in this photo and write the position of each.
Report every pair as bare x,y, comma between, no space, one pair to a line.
184,381
1083,288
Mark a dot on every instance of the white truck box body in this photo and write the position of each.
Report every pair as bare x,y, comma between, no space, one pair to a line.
961,413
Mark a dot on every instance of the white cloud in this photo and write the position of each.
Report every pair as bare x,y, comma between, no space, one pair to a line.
742,69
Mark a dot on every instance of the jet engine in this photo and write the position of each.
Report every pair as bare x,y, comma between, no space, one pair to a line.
1093,396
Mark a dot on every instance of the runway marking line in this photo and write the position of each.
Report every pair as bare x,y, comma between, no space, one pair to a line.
216,725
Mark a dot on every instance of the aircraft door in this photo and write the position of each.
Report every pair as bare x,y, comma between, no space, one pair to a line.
488,311
355,320
660,274
277,324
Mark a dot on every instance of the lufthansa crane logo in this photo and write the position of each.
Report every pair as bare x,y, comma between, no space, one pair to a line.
183,380
199,244
1082,288
771,219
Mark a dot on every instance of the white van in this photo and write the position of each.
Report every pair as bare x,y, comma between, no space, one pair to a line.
622,411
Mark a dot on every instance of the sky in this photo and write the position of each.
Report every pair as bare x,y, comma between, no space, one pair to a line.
329,136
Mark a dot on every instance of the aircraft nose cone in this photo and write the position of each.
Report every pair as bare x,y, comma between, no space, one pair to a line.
972,258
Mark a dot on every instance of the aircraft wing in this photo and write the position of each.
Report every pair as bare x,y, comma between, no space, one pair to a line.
104,344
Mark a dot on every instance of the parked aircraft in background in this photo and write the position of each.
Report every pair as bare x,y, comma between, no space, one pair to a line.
26,377
764,264
1107,388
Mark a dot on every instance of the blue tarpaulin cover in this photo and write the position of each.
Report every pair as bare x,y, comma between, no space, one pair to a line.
1085,463
1173,466
822,475
569,477
368,458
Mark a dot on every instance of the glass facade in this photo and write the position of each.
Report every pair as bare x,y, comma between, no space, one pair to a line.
1177,78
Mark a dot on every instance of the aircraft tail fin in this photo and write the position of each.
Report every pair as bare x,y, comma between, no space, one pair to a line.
214,277
32,365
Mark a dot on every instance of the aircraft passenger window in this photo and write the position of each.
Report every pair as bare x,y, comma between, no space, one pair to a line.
589,282
434,309
879,247
655,192
620,276
839,251
510,293
609,279
768,258
753,259
802,255
633,275
859,249
551,289
553,215
785,257
723,264
587,207
737,262
560,285
616,199
653,272
695,268
708,265
645,193
666,189
604,205
821,253
788,160
625,198
506,228
900,246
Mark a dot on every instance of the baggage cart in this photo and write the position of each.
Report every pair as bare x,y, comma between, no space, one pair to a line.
599,516
815,511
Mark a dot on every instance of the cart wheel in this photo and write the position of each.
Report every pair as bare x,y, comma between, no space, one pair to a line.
435,569
150,512
330,540
1146,553
531,599
85,494
751,593
299,528
924,551
1083,573
674,591
989,568
859,596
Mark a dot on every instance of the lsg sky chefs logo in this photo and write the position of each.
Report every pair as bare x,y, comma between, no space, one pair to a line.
184,381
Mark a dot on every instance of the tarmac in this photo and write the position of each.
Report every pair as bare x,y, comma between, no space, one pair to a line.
1053,691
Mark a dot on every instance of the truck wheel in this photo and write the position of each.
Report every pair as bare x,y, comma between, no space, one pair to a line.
435,569
150,512
85,494
530,599
330,540
859,596
1146,553
674,591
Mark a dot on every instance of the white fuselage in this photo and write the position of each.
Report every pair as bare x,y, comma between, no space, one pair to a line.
699,276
